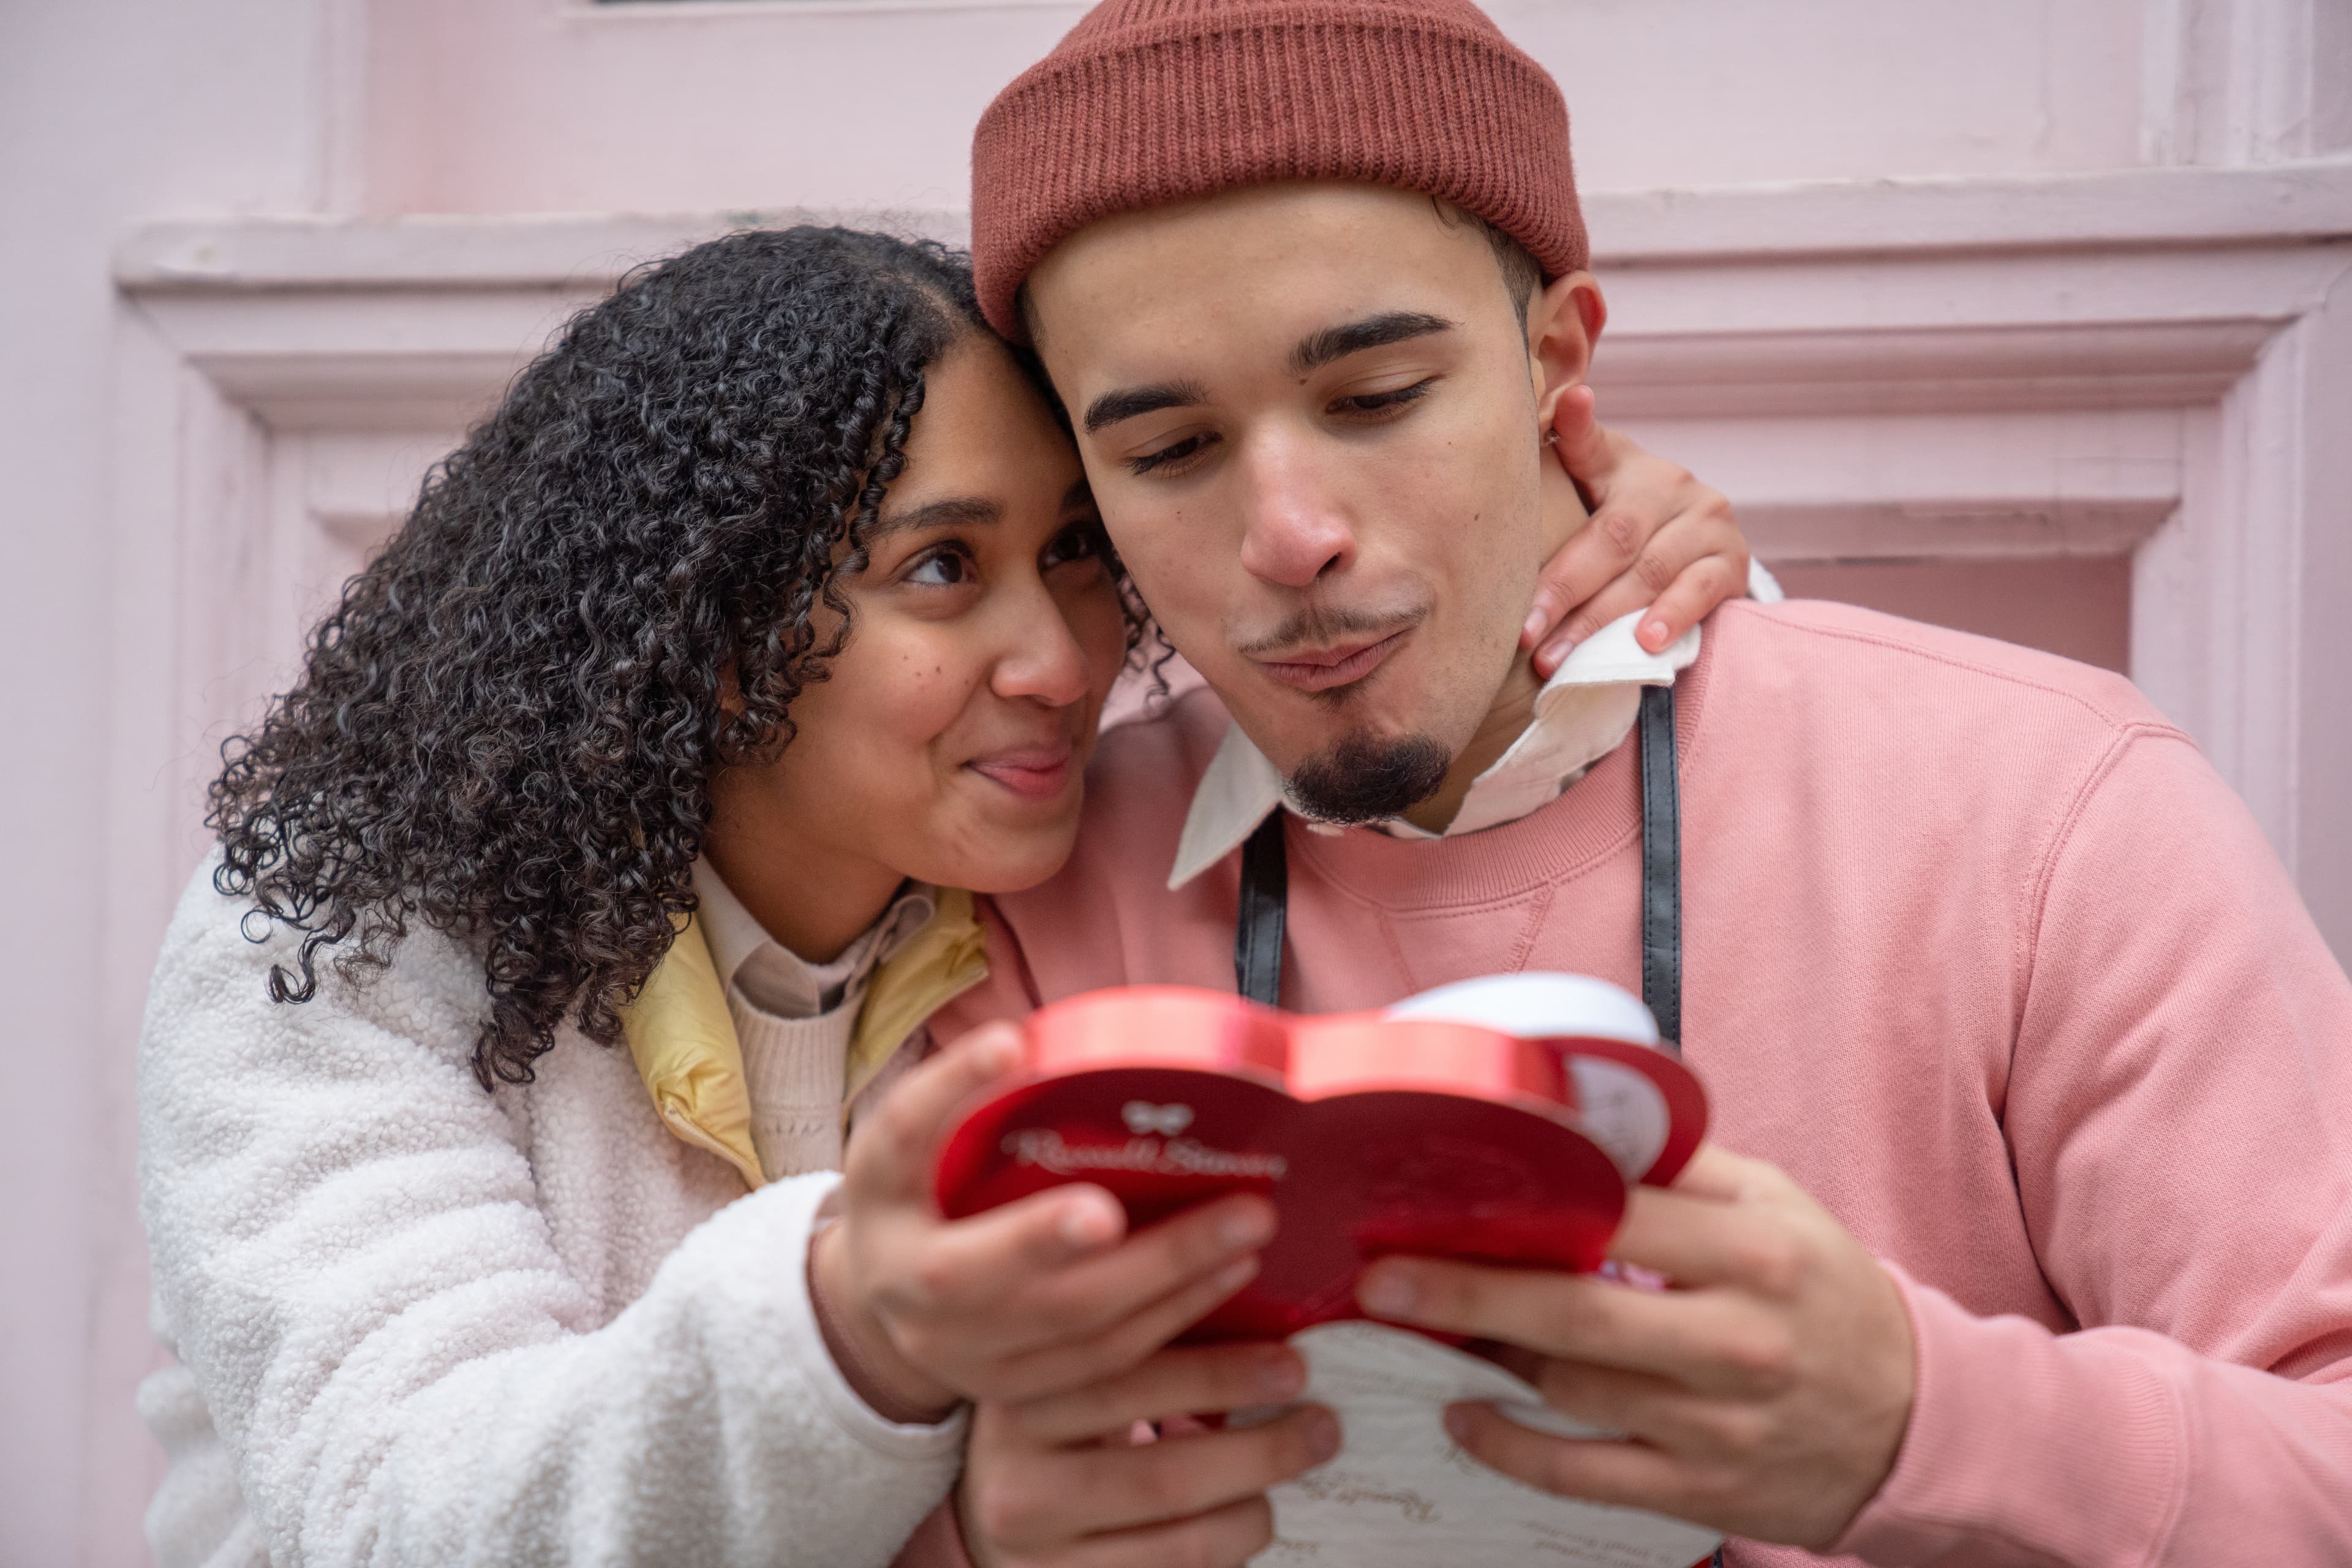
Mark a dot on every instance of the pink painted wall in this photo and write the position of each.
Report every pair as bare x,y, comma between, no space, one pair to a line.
2080,608
109,110
523,105
117,113
489,105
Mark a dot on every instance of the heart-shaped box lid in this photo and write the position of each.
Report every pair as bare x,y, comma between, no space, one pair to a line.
1499,1120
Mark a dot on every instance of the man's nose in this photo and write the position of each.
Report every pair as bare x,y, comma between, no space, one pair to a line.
1295,530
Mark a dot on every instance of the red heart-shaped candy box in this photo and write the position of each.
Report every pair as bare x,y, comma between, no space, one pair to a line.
1373,1133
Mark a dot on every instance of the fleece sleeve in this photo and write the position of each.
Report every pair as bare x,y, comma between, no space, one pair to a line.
2179,1114
349,1245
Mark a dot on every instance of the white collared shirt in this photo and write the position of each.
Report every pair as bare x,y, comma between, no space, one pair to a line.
778,981
1583,713
794,1019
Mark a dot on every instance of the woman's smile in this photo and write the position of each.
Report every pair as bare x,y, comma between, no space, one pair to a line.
1038,773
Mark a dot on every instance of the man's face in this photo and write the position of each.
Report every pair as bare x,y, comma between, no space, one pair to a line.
1313,422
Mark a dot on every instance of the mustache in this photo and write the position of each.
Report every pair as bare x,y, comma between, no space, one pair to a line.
1322,625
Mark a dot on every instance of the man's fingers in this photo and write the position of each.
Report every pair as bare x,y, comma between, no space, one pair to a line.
891,1156
1642,1404
1573,1317
1754,1241
1180,1476
1714,1171
1189,1381
1596,1470
1223,1537
1118,1487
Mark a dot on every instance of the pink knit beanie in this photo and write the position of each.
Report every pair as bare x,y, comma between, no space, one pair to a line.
1149,102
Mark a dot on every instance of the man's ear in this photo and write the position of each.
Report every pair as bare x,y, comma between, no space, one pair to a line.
1564,322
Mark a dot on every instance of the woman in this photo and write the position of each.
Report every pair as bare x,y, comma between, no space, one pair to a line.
773,596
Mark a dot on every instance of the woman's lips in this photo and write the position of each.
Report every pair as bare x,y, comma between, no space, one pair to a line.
1033,773
1327,669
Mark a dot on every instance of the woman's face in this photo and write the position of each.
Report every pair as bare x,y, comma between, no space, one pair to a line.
949,741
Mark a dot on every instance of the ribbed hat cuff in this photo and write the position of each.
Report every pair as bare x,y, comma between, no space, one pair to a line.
1177,111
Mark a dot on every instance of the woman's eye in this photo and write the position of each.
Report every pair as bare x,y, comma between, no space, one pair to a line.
946,567
1376,403
1174,456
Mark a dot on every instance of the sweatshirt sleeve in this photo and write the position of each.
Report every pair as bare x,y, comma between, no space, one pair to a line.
2179,1109
350,1249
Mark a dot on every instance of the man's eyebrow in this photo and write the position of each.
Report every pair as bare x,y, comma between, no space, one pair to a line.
953,511
1318,348
1128,402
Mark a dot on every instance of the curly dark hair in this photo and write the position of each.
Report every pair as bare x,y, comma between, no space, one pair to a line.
507,726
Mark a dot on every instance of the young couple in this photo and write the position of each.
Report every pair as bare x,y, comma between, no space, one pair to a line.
777,596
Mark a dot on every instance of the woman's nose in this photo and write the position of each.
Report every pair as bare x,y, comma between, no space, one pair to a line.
1042,661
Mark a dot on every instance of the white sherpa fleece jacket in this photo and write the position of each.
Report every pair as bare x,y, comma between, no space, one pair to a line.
419,1324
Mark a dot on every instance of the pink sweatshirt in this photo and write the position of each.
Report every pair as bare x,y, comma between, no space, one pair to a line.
1981,952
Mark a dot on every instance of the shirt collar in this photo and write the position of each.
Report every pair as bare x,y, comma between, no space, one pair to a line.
1583,713
771,976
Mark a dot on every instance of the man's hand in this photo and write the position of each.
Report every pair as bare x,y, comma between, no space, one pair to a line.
1658,539
1764,1393
1039,1296
1060,1482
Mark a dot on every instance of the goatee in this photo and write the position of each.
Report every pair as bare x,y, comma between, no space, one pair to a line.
1365,779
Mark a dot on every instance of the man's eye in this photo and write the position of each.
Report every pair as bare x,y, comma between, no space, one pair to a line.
945,567
1079,541
1383,402
1170,456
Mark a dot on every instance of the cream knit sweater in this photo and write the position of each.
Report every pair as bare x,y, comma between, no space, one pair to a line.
421,1324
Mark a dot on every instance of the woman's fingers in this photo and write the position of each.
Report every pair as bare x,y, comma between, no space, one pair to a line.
1585,448
1698,585
891,1156
1595,557
1657,537
969,1263
1690,598
1189,1252
1128,1343
1044,1293
1681,573
1000,1331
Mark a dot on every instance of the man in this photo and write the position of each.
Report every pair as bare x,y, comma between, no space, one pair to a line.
2038,1246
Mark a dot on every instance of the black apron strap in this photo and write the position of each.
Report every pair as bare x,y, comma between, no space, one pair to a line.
1264,908
1266,885
1661,868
